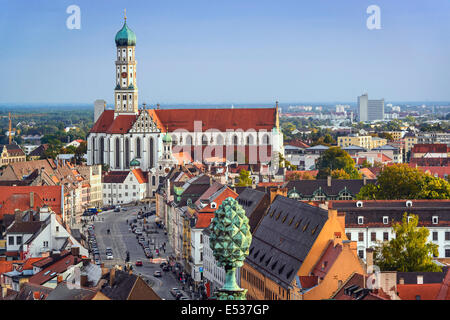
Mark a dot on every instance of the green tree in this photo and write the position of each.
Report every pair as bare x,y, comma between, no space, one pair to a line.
366,164
244,179
403,182
409,251
335,158
340,174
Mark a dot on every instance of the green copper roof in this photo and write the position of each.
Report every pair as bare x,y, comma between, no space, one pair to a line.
125,37
167,138
135,163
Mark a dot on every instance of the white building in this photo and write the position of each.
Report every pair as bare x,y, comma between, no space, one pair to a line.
370,110
127,132
121,187
369,222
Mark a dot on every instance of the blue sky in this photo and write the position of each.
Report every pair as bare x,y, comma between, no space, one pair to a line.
234,51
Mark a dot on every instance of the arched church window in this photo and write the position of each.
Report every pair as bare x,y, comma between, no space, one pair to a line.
235,140
219,140
250,140
127,153
188,140
266,139
204,140
151,155
93,150
102,150
138,147
117,151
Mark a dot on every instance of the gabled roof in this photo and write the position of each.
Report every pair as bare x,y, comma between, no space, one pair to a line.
115,176
430,148
55,269
30,227
284,238
427,291
141,177
63,292
50,195
308,187
128,287
21,202
29,290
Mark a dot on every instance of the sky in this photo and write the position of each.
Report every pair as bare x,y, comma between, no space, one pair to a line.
233,51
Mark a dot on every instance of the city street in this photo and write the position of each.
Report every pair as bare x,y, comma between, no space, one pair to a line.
121,239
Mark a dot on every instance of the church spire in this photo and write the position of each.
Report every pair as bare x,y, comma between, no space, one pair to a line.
125,15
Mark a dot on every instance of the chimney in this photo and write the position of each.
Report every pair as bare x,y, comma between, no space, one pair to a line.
75,251
364,180
157,106
86,261
329,181
84,280
31,200
369,260
112,277
59,279
17,215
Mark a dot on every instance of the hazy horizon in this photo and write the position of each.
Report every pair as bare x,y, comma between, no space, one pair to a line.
245,52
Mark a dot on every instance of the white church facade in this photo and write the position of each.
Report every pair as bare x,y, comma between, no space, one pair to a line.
156,139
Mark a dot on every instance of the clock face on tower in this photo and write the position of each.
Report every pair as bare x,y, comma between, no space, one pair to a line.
124,74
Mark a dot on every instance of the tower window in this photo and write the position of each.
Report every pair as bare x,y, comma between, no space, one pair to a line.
124,97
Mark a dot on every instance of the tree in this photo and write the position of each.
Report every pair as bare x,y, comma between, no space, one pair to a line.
244,179
366,164
403,182
409,251
339,174
336,158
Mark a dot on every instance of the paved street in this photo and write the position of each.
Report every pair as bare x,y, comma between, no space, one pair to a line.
122,239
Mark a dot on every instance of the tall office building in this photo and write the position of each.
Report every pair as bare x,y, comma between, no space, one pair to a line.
370,110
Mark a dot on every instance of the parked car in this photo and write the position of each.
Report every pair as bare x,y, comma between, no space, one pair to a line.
157,274
183,298
138,263
109,256
138,231
174,291
166,268
117,209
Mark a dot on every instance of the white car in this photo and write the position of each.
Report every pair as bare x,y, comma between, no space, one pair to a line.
109,256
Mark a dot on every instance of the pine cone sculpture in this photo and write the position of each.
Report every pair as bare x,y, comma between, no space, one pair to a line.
230,234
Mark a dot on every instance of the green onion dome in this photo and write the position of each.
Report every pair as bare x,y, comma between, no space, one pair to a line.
125,36
167,138
135,163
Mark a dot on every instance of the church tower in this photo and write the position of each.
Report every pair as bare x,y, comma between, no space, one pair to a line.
126,91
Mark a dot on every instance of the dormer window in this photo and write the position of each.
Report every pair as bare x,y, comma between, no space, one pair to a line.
360,220
385,220
435,219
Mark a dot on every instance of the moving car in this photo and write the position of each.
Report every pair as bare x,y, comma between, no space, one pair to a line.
157,274
175,291
138,263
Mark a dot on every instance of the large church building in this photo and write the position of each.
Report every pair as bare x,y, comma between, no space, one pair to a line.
154,139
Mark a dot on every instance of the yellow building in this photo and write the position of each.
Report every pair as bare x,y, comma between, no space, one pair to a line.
410,141
367,142
298,252
396,135
11,153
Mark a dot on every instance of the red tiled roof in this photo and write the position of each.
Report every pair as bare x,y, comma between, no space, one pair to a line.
28,265
19,201
139,176
440,171
6,266
444,291
204,220
227,192
308,281
426,291
330,254
115,176
429,148
297,143
103,122
220,119
122,124
55,269
270,184
50,195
